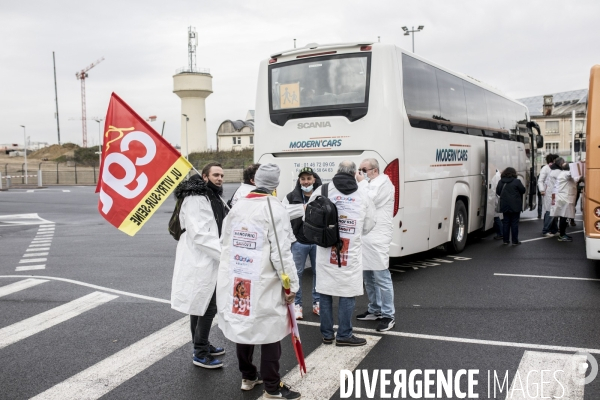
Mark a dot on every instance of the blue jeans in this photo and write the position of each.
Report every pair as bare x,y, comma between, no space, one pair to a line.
498,226
300,252
345,311
511,226
380,292
550,224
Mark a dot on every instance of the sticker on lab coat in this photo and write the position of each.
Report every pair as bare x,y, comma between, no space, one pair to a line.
242,292
343,253
246,251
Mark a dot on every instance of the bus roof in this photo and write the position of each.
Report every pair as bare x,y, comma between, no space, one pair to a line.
315,47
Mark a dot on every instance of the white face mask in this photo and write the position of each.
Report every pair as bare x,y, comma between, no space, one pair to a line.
366,177
307,189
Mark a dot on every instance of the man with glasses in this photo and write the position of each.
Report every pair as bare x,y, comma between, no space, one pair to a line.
376,247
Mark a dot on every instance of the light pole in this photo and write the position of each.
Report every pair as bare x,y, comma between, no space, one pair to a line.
187,150
99,120
407,32
25,144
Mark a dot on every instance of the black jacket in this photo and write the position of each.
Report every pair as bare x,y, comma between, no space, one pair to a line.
511,198
296,196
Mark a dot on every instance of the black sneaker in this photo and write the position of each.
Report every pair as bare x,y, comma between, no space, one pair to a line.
367,316
386,324
351,341
328,340
498,237
284,392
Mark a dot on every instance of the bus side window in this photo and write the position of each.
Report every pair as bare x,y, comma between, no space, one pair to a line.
453,106
421,97
476,109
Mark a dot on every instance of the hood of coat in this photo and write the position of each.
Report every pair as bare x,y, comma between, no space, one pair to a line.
507,179
295,196
345,183
195,186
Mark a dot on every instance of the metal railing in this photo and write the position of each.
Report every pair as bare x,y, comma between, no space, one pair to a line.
193,70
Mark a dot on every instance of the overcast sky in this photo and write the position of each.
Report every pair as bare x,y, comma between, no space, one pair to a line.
524,48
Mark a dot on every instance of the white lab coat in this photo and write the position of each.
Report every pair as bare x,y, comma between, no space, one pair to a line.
241,192
376,245
356,212
549,187
565,193
250,258
492,192
543,176
197,257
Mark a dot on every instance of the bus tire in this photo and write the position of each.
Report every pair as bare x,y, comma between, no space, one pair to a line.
460,224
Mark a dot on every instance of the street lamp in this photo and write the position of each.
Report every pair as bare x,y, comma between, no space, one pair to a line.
25,144
187,151
407,32
99,120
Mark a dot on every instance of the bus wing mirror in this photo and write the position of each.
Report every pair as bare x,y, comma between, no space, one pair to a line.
539,141
534,125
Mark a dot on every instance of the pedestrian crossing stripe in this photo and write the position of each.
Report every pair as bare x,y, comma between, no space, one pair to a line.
40,322
20,285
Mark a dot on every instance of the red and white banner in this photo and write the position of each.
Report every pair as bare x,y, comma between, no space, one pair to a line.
139,171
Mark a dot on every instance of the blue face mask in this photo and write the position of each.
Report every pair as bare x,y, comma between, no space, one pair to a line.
307,189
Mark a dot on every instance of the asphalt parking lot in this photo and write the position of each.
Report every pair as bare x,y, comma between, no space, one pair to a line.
491,308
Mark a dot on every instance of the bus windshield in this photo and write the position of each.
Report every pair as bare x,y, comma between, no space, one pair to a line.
324,82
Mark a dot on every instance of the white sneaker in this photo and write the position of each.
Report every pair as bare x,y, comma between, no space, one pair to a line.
247,384
316,308
298,311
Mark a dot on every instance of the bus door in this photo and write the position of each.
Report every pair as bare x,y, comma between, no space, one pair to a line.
492,162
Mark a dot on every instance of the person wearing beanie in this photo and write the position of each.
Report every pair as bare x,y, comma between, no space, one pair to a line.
251,301
267,177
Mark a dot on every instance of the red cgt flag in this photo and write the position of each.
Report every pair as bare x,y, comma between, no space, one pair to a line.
139,169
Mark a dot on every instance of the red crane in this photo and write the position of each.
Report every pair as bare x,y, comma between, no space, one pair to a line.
81,76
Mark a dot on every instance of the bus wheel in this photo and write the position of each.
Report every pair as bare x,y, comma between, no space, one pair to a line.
459,229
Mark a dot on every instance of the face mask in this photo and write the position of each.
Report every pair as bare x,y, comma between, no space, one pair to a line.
367,178
307,189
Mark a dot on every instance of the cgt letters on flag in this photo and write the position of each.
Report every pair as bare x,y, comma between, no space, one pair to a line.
139,169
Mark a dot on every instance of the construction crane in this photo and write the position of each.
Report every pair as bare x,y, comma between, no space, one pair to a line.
81,75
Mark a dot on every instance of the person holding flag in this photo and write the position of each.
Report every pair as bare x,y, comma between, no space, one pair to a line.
256,264
197,258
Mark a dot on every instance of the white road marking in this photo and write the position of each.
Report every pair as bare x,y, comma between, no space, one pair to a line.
547,237
39,249
30,326
121,292
35,254
369,331
43,236
564,368
40,244
20,285
22,219
101,378
30,191
530,219
41,240
32,260
396,270
30,267
46,230
548,277
66,191
323,367
46,226
459,340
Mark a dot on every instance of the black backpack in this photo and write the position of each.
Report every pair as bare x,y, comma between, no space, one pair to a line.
321,226
174,223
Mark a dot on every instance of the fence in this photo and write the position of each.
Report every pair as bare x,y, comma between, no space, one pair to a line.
73,174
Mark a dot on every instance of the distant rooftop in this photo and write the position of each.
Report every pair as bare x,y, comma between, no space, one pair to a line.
564,102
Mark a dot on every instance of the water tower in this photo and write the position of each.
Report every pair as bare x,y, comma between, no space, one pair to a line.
193,85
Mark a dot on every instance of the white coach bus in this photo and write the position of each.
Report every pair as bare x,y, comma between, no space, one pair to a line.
440,136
